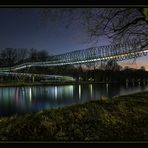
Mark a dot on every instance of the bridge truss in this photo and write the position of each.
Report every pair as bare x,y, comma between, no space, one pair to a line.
118,52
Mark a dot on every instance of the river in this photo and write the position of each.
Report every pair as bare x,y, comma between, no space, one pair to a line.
20,100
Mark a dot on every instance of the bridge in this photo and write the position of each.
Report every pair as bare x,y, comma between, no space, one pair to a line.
118,52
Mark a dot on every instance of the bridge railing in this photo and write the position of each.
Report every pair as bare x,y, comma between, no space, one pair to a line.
117,51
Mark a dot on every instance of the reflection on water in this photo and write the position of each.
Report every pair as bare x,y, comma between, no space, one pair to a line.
19,100
79,92
91,90
107,88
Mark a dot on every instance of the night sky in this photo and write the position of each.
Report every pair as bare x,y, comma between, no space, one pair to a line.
27,29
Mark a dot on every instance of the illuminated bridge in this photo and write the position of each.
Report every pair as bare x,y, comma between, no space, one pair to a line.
118,52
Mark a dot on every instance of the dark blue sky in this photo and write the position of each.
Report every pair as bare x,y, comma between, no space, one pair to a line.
27,29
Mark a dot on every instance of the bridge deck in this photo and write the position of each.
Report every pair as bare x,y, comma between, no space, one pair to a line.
103,53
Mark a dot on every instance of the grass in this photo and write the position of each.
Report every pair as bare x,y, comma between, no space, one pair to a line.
123,118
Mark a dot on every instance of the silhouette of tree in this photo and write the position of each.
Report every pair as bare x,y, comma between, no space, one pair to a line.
8,57
36,56
22,55
113,66
118,24
42,55
33,56
142,68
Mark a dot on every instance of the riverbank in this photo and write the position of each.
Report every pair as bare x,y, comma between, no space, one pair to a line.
17,84
123,118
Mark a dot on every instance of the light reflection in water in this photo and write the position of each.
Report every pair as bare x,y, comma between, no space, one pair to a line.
79,92
30,94
19,100
139,84
55,92
126,84
107,88
70,91
90,86
17,97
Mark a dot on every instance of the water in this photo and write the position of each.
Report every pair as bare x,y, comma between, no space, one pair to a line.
20,100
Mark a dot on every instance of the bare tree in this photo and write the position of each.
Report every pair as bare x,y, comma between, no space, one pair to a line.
113,66
142,68
33,55
42,55
22,55
8,57
118,24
